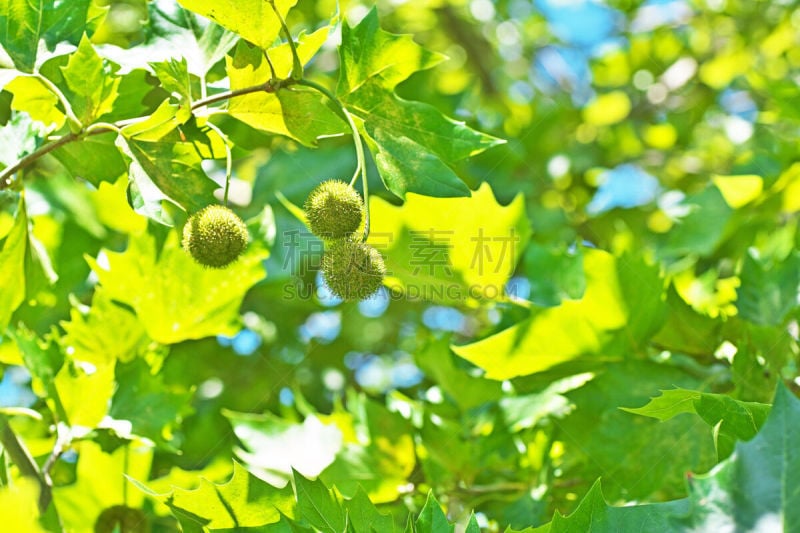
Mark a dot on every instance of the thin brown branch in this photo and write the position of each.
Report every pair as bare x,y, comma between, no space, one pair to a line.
5,175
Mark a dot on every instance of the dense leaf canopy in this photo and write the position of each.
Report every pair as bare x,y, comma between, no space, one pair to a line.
583,216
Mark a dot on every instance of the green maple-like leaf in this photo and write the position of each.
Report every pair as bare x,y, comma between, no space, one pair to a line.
433,252
413,143
174,298
92,84
768,291
169,170
174,77
150,405
298,113
95,159
753,490
595,515
432,519
24,23
33,97
319,505
731,419
369,52
254,20
244,501
106,333
364,517
620,309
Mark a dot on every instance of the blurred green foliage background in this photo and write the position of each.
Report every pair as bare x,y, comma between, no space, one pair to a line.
663,132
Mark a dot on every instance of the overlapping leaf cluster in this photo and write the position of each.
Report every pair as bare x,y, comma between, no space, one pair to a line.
637,234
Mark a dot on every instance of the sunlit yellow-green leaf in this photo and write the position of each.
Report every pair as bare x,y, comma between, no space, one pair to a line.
32,96
18,506
113,209
12,265
93,85
608,314
175,298
739,190
370,53
100,482
85,391
252,19
296,112
450,249
244,501
107,333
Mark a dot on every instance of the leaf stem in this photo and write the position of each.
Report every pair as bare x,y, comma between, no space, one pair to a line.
270,87
5,175
101,127
125,466
273,75
297,65
75,122
228,160
21,457
361,167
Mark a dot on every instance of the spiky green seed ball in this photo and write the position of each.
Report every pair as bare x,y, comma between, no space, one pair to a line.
122,519
353,270
215,236
334,210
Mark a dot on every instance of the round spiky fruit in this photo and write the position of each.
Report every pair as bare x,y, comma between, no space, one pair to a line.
123,519
334,210
353,270
215,236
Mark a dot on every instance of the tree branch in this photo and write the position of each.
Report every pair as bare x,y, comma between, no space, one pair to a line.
5,176
96,129
22,458
269,87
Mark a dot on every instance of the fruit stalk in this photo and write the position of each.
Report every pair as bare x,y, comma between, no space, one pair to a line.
361,167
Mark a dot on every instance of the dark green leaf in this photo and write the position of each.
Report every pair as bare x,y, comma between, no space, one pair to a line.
319,505
432,519
407,166
95,159
595,516
694,235
555,274
151,406
472,525
175,168
373,62
768,291
732,420
23,23
364,517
